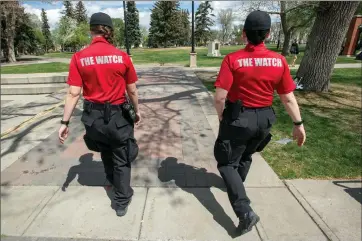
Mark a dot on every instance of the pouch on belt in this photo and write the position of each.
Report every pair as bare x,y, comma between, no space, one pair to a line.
236,108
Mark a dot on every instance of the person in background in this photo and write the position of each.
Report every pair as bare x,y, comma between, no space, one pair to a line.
106,73
243,100
294,50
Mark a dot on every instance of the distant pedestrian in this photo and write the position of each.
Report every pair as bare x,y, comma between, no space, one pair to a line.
294,50
106,73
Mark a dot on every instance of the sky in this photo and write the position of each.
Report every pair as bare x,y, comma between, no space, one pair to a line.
115,9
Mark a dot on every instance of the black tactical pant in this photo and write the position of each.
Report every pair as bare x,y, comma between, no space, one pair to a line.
117,145
237,140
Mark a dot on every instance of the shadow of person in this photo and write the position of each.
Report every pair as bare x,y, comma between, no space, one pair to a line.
354,192
90,173
170,170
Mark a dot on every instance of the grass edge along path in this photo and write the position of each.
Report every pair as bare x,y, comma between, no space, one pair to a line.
54,67
333,127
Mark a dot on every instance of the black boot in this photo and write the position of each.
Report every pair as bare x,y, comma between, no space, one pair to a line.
246,222
122,211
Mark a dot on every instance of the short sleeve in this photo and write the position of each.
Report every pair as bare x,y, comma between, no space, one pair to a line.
286,84
131,75
225,78
74,77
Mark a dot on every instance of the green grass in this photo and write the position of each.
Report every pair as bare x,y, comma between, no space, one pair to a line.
333,127
180,56
35,68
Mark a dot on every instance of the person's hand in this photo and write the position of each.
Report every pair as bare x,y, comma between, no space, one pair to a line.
63,133
138,118
299,134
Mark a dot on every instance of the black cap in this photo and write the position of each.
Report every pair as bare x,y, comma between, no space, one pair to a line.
257,20
101,19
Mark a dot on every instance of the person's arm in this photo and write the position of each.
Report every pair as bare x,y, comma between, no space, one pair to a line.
131,79
71,101
75,83
133,95
219,101
75,86
285,90
291,106
223,84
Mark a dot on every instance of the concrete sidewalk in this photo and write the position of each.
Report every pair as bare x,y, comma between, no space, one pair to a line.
179,194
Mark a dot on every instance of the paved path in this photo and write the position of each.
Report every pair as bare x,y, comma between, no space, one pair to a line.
179,194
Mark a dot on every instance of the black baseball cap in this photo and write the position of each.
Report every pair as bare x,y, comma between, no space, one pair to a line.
101,19
257,20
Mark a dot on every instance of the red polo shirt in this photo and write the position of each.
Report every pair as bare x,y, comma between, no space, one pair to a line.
252,74
103,71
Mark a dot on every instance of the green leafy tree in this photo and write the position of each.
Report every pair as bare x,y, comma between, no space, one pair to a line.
118,25
11,16
46,31
65,32
35,21
133,27
69,11
164,27
144,34
80,13
203,22
81,36
184,29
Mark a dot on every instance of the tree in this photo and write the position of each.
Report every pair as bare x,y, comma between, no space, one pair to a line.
46,31
65,31
144,34
183,28
238,34
80,13
324,43
133,25
225,19
69,11
293,15
203,22
359,9
11,13
80,37
25,40
118,25
35,22
164,28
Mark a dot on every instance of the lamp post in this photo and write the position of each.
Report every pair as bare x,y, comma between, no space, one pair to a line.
125,27
193,54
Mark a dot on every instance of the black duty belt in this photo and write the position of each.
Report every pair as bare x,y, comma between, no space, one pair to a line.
99,106
106,107
256,109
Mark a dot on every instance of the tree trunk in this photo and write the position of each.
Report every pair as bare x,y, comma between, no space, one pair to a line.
285,28
324,43
286,44
10,51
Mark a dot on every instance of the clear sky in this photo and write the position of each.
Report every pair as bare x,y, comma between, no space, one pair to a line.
115,9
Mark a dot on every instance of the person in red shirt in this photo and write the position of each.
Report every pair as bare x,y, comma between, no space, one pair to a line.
243,100
105,74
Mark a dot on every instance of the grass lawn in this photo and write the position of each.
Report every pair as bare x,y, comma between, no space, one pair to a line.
333,127
35,68
180,56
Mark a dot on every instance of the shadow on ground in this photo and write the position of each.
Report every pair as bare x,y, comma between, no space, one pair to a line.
355,192
169,171
88,173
